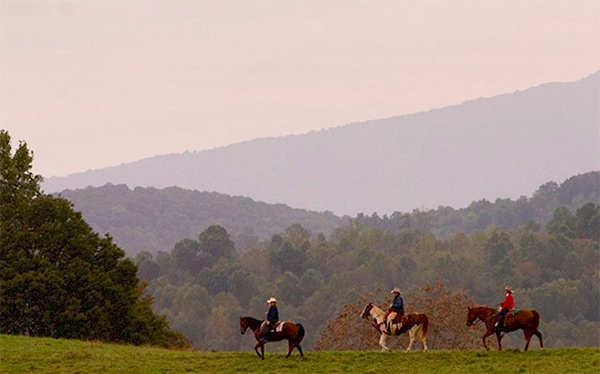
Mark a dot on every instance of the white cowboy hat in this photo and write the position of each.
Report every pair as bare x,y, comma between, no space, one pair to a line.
396,289
271,300
508,288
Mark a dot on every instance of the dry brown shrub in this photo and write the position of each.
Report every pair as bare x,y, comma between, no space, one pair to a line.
446,309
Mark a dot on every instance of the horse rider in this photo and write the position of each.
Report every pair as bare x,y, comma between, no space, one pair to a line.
396,308
272,319
507,305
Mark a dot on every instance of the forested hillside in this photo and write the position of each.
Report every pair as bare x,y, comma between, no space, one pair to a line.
203,285
503,213
494,147
148,219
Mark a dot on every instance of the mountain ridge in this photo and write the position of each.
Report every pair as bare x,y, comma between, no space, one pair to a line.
548,132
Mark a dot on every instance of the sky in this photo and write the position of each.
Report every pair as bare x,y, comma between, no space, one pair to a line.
89,84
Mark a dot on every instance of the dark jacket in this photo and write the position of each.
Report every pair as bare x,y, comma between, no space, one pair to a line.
273,315
398,305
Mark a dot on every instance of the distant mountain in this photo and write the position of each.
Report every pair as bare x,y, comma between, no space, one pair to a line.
484,148
149,219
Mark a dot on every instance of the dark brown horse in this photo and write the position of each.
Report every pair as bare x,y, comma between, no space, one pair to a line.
528,320
415,323
293,332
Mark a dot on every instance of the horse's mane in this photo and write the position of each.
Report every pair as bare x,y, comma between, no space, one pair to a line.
252,319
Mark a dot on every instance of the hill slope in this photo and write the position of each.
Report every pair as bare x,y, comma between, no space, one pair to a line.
152,220
36,355
485,148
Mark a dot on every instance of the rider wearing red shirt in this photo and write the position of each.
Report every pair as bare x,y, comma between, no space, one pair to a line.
507,305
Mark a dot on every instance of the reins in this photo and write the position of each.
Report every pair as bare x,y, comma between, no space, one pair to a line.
476,322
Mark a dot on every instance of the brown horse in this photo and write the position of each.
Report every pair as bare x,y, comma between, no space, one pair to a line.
528,320
293,332
412,322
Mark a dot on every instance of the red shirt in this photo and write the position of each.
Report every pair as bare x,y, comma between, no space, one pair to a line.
509,302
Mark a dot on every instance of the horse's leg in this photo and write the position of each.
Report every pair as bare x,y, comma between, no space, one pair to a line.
485,337
262,350
382,340
499,338
256,349
528,335
539,335
411,339
419,334
290,348
410,343
300,350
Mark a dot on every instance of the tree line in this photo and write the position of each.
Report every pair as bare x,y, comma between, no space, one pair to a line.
204,284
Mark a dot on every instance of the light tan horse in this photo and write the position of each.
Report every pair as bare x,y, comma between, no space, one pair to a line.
415,323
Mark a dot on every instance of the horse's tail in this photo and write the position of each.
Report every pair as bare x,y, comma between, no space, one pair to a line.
300,335
425,322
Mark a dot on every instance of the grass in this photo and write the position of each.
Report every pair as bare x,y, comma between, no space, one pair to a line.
20,354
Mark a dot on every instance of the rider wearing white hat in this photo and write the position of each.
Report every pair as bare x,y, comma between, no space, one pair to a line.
396,308
272,319
507,305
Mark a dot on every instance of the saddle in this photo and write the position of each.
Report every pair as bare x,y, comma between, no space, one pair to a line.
397,324
400,319
277,327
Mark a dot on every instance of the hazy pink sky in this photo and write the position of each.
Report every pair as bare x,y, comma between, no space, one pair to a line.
90,84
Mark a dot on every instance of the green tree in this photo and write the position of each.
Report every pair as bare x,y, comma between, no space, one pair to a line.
216,242
553,300
562,222
147,268
288,258
57,277
242,285
587,222
498,248
187,256
298,236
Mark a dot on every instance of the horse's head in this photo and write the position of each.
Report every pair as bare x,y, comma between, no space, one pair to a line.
366,312
471,316
243,325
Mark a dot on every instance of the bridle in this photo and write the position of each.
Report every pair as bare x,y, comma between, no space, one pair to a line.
244,328
476,321
374,317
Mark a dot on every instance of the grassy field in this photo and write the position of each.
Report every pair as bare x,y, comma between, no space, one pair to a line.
20,354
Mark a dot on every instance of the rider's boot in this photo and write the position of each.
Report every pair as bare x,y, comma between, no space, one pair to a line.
498,327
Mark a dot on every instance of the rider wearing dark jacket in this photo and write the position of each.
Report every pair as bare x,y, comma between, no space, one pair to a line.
272,319
273,314
397,308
